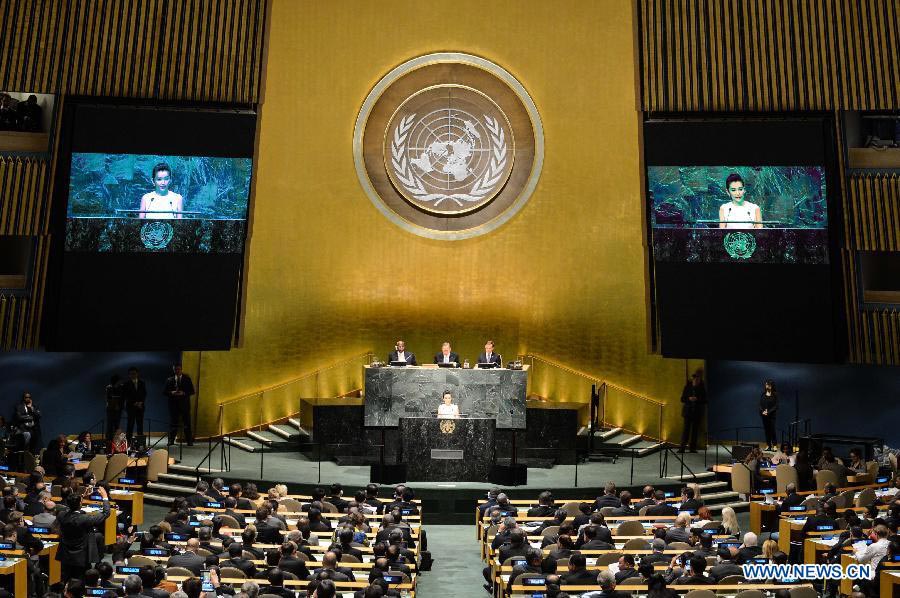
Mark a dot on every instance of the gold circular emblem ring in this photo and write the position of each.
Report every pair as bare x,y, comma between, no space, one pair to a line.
448,426
448,146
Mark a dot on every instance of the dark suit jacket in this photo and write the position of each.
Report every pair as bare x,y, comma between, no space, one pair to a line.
508,550
189,560
133,395
294,565
495,358
723,570
596,544
268,534
541,511
624,574
439,357
410,357
693,409
582,577
607,500
77,540
659,510
791,500
241,563
186,385
694,580
691,505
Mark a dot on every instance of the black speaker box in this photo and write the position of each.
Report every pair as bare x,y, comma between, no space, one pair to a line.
388,474
509,475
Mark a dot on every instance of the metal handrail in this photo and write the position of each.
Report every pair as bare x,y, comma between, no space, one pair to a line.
313,374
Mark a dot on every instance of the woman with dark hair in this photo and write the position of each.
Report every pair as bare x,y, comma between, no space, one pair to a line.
785,454
85,445
768,407
162,202
54,459
738,213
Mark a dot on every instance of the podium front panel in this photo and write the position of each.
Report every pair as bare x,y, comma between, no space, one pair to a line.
447,450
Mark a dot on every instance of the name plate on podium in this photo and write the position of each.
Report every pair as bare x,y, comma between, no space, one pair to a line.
446,454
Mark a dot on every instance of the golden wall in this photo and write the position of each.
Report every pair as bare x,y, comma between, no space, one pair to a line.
329,277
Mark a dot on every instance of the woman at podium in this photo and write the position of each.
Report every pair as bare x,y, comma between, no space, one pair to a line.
447,409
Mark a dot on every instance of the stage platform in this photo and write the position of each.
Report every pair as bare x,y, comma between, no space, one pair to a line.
446,502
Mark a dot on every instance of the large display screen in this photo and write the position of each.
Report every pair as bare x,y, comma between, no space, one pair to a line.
141,202
751,214
741,214
150,221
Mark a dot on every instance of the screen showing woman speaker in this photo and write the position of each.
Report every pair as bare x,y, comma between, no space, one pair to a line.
744,214
144,202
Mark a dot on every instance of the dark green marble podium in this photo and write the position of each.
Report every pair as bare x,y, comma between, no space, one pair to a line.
447,450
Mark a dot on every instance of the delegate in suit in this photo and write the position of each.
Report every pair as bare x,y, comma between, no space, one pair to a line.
401,354
446,355
489,356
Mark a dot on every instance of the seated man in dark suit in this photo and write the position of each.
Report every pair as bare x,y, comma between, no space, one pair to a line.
647,498
688,502
401,354
446,355
792,499
336,498
819,521
291,563
694,575
489,356
533,558
236,491
199,498
626,568
330,564
190,560
276,585
625,507
661,508
544,507
725,566
236,560
345,537
372,498
578,573
748,550
607,584
558,518
609,498
265,533
658,546
230,506
591,541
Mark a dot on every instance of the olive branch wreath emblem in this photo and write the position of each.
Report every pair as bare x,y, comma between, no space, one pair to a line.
403,170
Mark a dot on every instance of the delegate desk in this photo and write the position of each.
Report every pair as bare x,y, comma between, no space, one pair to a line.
396,392
447,450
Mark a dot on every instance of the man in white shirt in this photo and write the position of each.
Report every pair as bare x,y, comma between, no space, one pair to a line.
874,552
401,354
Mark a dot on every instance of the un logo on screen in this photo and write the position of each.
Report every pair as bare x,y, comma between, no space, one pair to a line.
740,245
157,234
451,150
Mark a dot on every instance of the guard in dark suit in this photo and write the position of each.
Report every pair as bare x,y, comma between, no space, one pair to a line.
114,406
446,355
489,356
134,393
401,354
693,399
79,544
179,388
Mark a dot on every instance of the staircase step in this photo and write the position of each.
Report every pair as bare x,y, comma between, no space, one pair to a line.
178,478
650,449
172,488
286,433
157,499
719,496
265,437
630,440
704,486
178,468
736,505
297,424
703,475
609,433
244,443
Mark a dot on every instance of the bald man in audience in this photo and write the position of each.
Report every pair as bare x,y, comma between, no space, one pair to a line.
190,559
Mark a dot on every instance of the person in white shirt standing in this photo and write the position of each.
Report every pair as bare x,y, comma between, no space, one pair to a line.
447,409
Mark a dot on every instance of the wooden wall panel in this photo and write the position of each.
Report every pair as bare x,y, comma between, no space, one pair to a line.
723,55
184,50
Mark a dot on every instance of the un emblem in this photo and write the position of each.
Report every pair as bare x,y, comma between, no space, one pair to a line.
448,426
157,234
740,245
451,150
448,146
